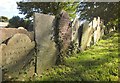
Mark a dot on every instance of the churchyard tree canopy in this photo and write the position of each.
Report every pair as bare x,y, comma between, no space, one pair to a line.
108,11
51,8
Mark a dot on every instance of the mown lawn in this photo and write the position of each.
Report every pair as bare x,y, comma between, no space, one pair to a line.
98,63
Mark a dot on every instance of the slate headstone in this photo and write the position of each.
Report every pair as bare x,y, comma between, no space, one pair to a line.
45,45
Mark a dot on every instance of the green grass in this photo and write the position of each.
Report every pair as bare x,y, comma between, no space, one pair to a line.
98,63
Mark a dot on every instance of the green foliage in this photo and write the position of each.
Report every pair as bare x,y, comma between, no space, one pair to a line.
98,63
16,22
106,11
57,39
3,19
52,8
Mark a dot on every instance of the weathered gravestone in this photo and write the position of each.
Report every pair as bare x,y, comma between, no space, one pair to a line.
0,65
95,23
0,74
65,31
15,54
75,27
86,37
6,33
102,29
46,50
98,31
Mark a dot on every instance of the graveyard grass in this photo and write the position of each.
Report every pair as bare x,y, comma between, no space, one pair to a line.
97,63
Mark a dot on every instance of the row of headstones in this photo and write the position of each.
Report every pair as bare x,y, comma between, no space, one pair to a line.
15,47
53,36
87,34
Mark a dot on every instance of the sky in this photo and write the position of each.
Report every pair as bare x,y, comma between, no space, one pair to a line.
9,9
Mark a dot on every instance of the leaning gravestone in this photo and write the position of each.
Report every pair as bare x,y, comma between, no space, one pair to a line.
102,29
95,30
46,50
0,65
86,36
75,27
98,29
15,54
6,33
65,31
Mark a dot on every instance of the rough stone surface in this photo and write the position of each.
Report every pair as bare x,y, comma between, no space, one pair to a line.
86,36
46,50
75,27
0,74
65,30
97,29
15,53
6,33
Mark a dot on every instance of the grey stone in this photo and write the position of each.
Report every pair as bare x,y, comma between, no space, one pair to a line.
97,29
6,33
65,32
0,74
75,27
46,50
15,54
86,36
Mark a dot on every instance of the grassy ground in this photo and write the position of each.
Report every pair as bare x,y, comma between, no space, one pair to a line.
98,63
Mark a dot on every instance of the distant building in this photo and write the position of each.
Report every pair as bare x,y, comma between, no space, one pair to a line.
3,24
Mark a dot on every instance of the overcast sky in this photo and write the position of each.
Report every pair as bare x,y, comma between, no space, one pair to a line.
9,9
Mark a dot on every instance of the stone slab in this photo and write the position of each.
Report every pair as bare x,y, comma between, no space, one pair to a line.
6,33
15,54
86,36
65,31
46,50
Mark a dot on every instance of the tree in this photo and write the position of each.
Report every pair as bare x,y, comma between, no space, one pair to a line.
3,19
108,11
16,22
51,8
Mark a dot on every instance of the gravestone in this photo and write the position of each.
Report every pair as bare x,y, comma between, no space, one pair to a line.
95,30
0,65
6,33
65,31
15,54
86,36
98,29
75,36
75,27
102,29
45,45
90,40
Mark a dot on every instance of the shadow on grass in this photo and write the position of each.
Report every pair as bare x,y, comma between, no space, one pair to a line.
102,65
